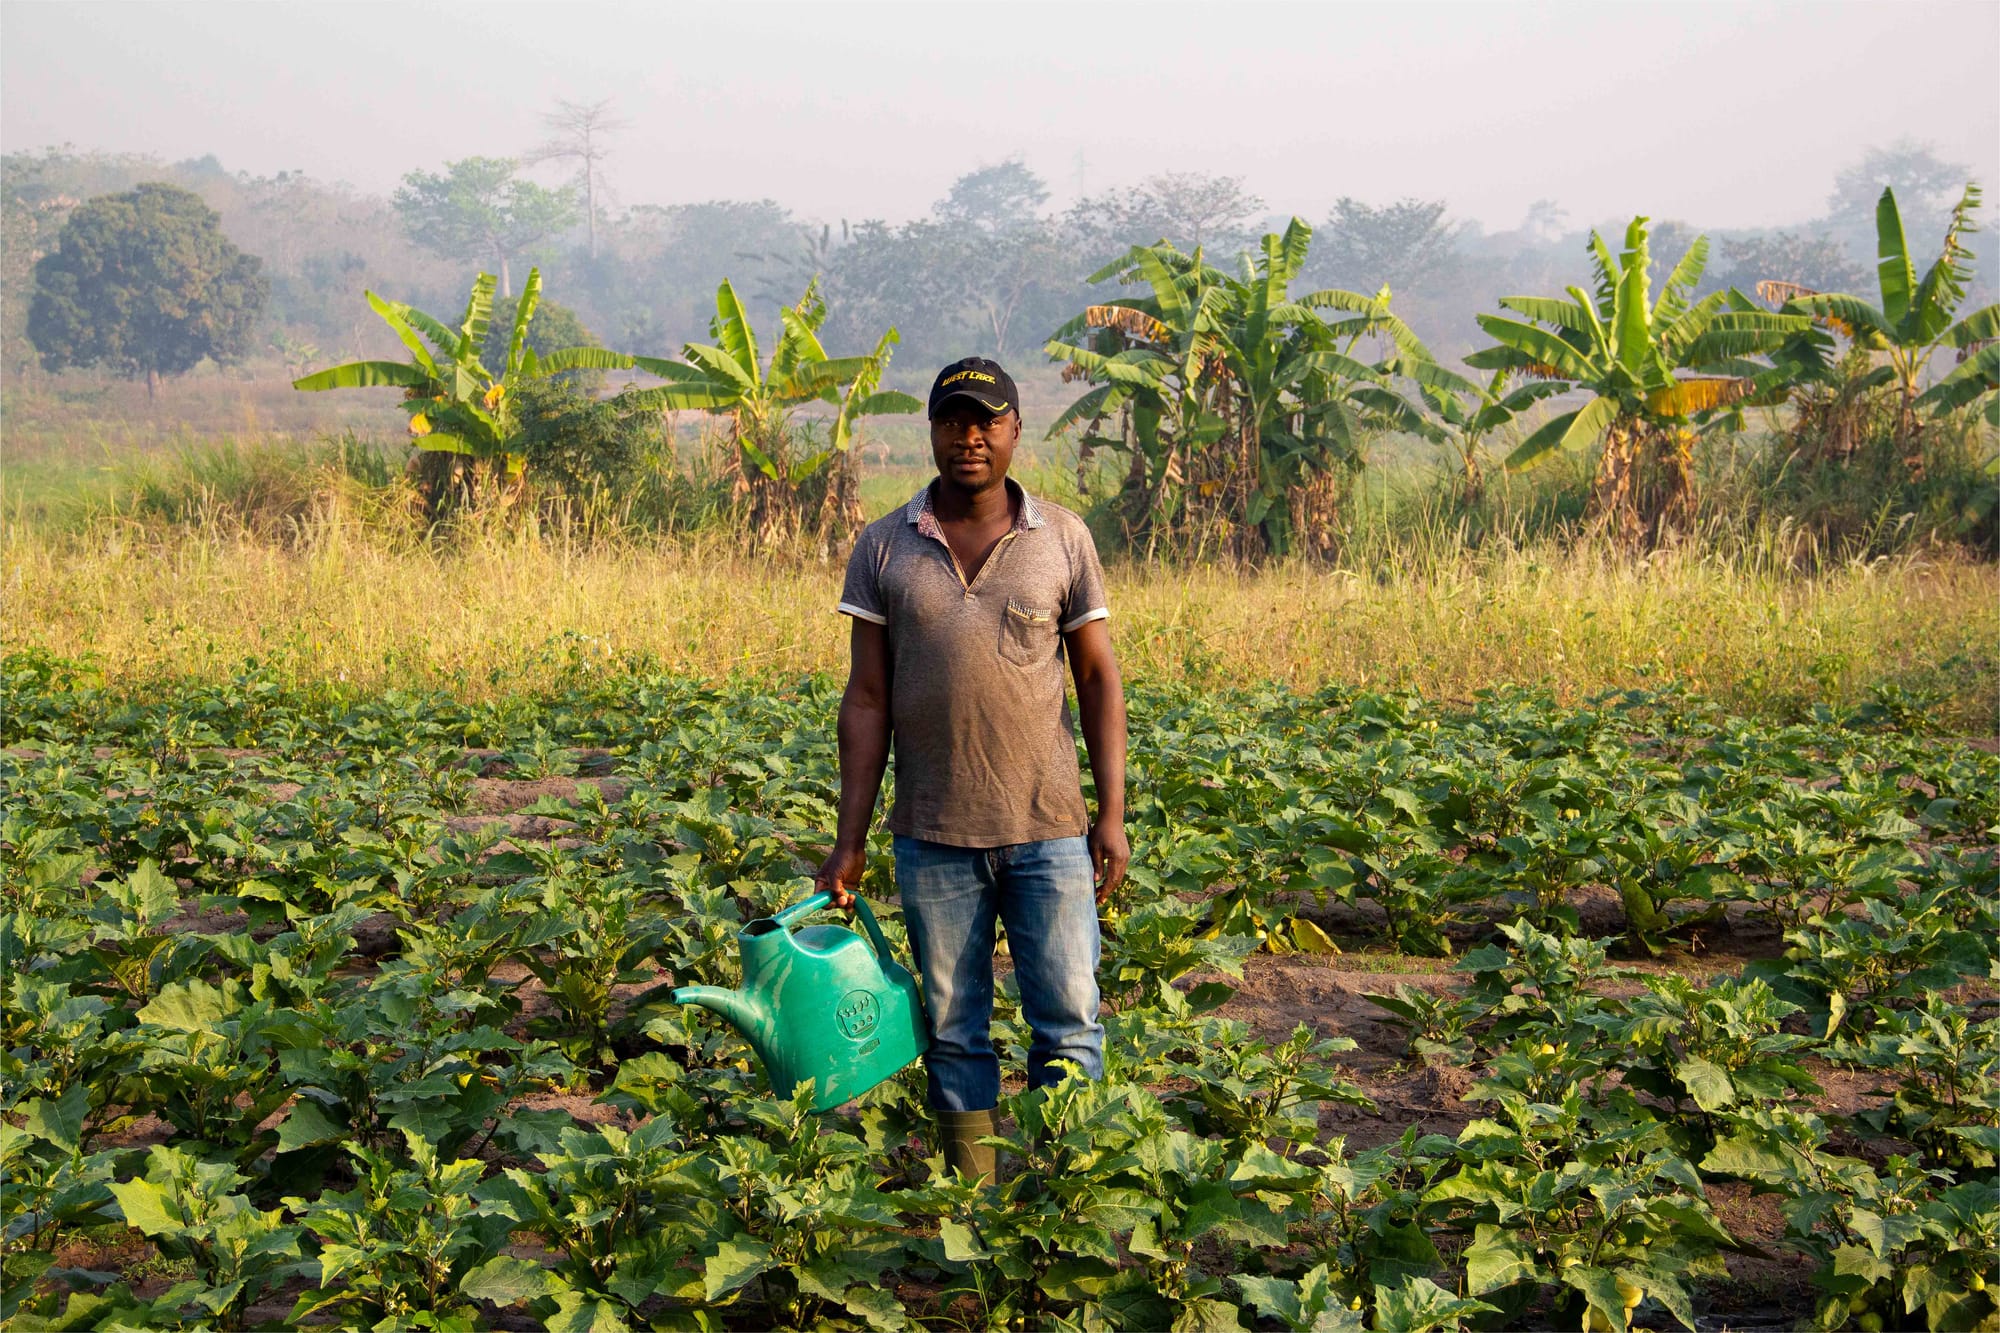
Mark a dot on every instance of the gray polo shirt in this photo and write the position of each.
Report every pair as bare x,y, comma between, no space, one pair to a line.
985,749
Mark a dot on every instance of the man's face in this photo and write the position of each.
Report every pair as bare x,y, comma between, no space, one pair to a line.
971,445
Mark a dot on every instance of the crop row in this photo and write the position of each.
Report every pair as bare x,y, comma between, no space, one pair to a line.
341,1054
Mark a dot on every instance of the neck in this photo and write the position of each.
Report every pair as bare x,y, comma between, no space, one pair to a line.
986,505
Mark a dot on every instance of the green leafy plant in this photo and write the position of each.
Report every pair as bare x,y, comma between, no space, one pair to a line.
457,404
1632,353
190,1210
727,378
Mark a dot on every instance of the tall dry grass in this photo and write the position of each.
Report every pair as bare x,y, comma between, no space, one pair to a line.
508,606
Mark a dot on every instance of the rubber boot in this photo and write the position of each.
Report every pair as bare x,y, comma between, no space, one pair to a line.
963,1152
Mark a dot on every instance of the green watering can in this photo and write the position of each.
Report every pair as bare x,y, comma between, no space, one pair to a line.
818,1004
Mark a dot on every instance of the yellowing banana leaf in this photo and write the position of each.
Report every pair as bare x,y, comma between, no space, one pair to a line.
1129,321
1686,397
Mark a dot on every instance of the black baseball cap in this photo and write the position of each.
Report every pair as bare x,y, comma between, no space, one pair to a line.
983,381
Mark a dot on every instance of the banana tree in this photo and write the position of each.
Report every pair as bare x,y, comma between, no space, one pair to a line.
1654,370
726,378
1468,412
1148,362
1242,406
456,404
1913,317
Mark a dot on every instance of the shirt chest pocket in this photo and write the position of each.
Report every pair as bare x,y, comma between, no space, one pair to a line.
1027,635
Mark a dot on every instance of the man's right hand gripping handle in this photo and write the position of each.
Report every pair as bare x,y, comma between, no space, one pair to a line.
839,876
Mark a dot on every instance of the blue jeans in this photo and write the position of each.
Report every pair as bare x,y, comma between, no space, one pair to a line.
1044,893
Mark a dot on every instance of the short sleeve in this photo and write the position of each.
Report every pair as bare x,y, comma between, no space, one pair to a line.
1085,600
861,593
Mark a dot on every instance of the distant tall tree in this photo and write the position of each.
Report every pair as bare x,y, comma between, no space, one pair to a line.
478,209
997,248
1197,206
1400,244
1185,209
146,283
1926,187
1816,261
1004,198
580,131
1544,221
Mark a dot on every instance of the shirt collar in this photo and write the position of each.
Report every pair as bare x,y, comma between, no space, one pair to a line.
918,511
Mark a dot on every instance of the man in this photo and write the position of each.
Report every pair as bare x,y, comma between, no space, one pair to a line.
964,604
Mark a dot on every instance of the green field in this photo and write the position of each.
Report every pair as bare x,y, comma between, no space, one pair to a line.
1522,932
343,1006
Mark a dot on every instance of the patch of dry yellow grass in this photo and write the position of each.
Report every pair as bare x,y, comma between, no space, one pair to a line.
505,612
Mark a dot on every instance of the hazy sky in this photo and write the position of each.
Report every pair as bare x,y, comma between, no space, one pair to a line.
1724,114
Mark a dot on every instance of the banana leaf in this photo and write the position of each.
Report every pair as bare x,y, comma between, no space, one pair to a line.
1892,265
732,330
524,310
366,375
1572,430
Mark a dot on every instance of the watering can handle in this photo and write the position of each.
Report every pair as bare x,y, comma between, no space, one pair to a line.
819,900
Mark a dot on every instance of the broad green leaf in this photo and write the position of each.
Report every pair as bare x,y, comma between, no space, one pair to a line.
878,1306
1262,1169
723,372
505,1280
1497,1258
960,1246
1893,269
158,896
1708,1084
1600,1288
1570,315
148,1207
1538,344
578,1312
59,1121
524,311
307,1125
188,1006
1274,1297
1740,1156
365,375
402,322
1207,1316
1631,323
1571,430
738,339
1421,1306
735,1263
582,358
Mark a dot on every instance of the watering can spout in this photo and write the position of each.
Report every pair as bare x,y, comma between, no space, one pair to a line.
741,1011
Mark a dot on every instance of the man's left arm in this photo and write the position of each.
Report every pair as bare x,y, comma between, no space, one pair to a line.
1100,701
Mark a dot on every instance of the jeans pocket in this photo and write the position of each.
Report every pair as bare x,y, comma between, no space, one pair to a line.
1027,636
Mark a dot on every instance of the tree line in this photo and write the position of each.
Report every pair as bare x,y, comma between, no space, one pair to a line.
991,268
